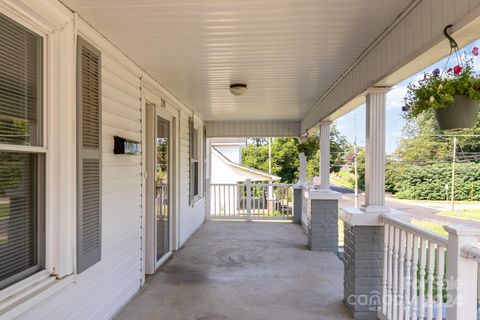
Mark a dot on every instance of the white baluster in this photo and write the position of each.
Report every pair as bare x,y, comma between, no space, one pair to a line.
385,269
440,273
235,196
263,201
395,273
416,248
231,200
228,204
408,278
423,258
430,279
224,201
391,234
215,200
401,284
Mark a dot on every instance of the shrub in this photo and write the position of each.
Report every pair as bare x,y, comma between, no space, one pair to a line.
428,182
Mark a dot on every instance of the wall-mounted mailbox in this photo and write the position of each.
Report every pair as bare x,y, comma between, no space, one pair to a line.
125,146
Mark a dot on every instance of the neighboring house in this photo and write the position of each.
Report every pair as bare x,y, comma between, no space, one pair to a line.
231,148
226,156
226,159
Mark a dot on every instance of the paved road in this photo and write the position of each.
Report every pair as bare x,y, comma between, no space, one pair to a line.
342,190
423,211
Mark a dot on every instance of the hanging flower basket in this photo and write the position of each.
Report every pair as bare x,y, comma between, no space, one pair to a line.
460,114
453,95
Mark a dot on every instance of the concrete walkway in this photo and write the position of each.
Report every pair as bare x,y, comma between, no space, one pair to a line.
239,270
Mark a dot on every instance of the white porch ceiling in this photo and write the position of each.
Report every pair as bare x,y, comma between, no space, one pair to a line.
289,52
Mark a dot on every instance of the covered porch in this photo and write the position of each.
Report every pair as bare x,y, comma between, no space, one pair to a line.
239,270
128,229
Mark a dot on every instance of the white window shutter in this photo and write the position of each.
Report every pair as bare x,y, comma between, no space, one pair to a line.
89,155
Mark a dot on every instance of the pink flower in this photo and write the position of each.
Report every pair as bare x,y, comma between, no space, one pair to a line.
475,51
457,69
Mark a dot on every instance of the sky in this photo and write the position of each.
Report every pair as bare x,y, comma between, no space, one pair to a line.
394,119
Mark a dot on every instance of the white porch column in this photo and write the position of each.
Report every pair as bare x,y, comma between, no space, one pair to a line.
298,190
303,168
375,150
324,143
364,234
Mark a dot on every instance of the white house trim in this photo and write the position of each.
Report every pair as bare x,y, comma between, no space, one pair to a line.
248,170
248,129
415,42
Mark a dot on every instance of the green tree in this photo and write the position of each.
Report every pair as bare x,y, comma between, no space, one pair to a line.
422,141
421,166
284,157
285,162
339,147
255,156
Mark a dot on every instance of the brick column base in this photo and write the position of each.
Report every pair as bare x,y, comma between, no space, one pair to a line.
363,270
323,225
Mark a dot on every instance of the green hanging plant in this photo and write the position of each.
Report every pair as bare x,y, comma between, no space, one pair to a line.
454,95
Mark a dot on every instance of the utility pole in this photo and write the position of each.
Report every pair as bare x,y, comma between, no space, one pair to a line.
355,163
270,155
270,187
454,159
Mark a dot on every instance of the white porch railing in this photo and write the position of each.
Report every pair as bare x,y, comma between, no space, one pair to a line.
414,280
250,201
428,276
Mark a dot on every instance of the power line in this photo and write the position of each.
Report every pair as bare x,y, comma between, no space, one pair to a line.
449,135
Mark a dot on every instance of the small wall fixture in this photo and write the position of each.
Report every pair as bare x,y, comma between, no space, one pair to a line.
238,89
125,146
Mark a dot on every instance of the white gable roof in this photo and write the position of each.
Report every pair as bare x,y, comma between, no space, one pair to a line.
226,171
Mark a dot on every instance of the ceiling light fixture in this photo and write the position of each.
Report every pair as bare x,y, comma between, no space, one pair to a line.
238,89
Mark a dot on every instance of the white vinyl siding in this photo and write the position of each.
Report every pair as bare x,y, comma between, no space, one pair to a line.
106,286
190,217
102,289
247,129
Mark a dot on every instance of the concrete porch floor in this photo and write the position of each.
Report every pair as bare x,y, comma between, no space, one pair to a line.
239,270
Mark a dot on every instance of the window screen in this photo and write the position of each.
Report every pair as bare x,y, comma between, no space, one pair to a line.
21,173
20,85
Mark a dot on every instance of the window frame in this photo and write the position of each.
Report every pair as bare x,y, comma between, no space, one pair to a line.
42,157
196,158
195,161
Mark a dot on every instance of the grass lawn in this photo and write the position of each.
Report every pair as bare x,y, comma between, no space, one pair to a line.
473,214
433,226
343,178
341,182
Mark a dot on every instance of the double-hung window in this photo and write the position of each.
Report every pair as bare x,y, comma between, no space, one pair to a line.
195,164
195,167
22,153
